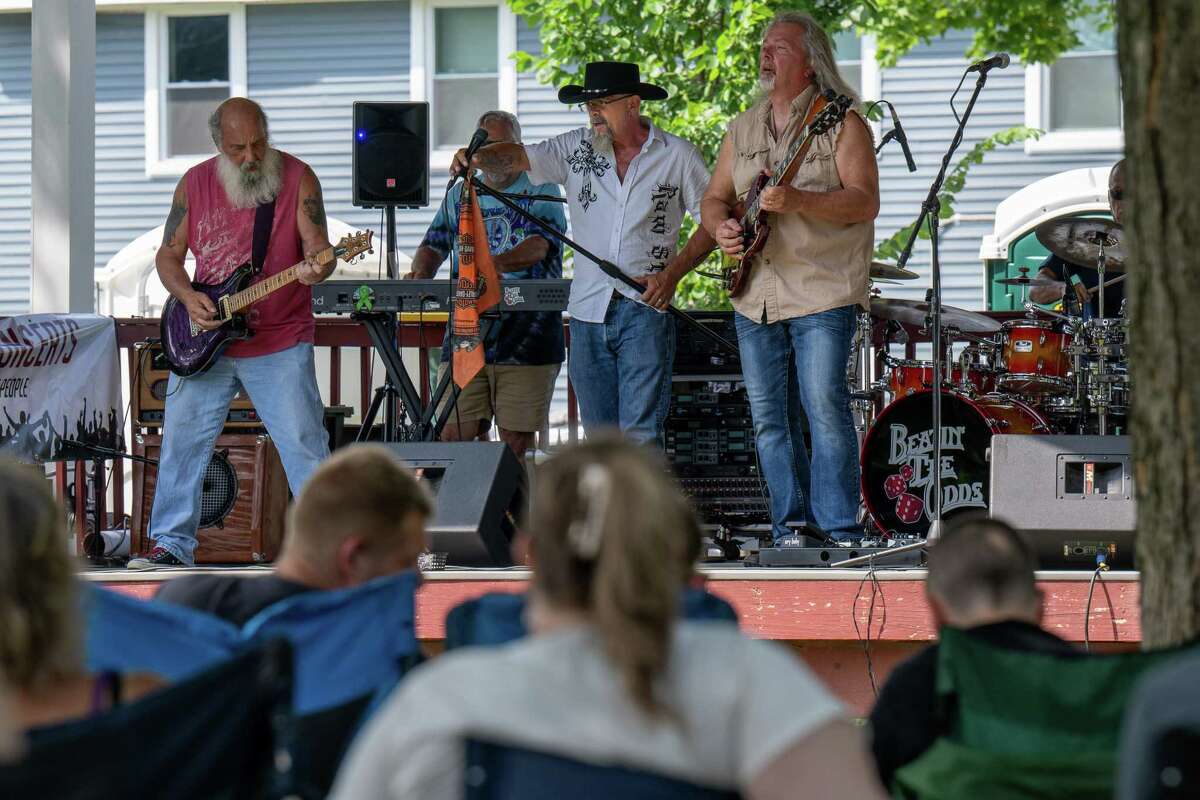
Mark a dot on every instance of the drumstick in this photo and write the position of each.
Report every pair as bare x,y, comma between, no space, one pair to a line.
1107,284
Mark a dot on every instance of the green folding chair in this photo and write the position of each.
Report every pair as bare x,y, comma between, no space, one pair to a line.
1024,725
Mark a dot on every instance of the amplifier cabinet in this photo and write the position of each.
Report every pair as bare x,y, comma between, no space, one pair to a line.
243,501
148,375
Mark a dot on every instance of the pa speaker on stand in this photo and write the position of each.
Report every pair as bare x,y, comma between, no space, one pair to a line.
390,155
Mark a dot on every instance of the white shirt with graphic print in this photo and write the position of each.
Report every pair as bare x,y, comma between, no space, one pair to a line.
632,223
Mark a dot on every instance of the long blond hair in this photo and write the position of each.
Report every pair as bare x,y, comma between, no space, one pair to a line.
819,48
614,538
40,638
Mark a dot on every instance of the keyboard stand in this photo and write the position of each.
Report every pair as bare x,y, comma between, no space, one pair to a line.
397,385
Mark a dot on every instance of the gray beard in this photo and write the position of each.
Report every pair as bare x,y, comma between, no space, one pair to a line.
602,143
247,189
765,87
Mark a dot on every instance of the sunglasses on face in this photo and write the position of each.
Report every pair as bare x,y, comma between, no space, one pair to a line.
1116,194
596,105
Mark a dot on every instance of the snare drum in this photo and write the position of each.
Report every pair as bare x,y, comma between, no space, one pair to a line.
897,456
909,377
1034,358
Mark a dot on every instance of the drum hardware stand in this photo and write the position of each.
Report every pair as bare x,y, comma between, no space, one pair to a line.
930,212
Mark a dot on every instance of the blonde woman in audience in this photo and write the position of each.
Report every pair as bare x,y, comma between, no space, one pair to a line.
610,675
41,643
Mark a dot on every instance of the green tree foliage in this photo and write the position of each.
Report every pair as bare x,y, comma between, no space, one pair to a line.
705,53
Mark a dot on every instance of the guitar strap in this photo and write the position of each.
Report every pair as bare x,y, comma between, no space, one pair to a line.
264,217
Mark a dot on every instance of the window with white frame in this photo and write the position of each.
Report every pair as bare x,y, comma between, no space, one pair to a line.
195,59
847,49
462,65
1077,99
466,70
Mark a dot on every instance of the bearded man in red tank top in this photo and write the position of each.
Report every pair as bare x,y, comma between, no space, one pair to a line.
213,215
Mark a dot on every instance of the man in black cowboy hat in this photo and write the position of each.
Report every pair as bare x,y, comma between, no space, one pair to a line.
628,185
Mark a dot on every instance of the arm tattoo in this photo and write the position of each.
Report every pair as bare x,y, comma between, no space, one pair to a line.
490,160
314,208
178,210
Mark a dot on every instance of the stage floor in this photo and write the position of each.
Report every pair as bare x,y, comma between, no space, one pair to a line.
850,625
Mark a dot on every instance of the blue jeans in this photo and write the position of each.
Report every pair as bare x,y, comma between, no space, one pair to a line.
801,363
621,370
283,388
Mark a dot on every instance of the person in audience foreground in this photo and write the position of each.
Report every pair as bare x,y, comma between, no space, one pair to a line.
981,579
609,675
41,639
360,516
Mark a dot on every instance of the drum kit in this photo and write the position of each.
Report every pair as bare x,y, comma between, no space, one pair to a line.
1047,372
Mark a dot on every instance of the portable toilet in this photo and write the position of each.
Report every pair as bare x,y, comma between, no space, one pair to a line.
1013,244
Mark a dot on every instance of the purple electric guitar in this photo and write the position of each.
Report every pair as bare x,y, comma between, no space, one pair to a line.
190,350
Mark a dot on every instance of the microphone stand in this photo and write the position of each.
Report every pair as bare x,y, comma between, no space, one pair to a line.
930,211
607,267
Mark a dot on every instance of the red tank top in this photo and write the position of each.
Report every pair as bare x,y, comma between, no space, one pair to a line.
221,237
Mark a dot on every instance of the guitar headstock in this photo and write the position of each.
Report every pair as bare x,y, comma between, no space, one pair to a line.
833,113
354,245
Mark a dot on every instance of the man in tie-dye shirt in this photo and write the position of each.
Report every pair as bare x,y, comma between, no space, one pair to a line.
525,353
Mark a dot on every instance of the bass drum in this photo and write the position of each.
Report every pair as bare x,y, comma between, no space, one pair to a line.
897,456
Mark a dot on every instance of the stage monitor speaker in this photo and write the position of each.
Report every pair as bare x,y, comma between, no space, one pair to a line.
242,503
479,493
1072,495
390,155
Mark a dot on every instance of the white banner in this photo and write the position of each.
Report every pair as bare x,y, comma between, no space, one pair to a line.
60,386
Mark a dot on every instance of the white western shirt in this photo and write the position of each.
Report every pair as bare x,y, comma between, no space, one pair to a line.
632,223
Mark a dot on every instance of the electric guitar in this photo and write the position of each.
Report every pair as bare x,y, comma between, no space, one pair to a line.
190,350
827,111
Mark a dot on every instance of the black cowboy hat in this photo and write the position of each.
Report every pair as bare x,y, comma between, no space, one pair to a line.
606,78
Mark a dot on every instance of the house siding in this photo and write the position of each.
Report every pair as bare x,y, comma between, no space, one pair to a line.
16,87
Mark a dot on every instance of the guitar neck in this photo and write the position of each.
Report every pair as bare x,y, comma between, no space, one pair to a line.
787,167
252,294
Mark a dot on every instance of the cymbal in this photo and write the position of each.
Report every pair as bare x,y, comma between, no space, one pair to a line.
913,313
1034,282
882,269
1078,240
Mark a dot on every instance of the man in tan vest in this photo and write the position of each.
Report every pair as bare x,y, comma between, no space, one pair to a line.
795,318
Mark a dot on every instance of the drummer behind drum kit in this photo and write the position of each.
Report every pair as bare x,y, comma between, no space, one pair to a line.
1045,373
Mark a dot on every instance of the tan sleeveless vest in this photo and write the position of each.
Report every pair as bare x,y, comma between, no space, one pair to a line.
808,264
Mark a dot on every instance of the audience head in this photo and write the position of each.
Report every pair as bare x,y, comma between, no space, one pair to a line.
980,572
360,516
614,541
40,637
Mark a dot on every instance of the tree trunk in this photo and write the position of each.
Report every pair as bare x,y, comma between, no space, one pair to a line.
1160,71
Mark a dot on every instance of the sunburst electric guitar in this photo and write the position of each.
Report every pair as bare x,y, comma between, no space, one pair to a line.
826,112
189,349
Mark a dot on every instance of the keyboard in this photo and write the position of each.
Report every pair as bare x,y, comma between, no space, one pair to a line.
394,296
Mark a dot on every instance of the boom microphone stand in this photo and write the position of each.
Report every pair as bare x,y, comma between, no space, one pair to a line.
607,267
930,210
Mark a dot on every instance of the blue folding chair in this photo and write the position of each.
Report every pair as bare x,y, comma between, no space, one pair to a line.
216,734
351,648
502,772
497,618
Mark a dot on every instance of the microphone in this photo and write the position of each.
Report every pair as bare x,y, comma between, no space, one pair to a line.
477,139
998,61
902,139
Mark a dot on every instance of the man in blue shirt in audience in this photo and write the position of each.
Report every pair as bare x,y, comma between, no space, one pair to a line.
361,516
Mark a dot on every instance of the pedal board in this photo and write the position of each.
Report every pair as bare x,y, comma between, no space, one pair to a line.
831,556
